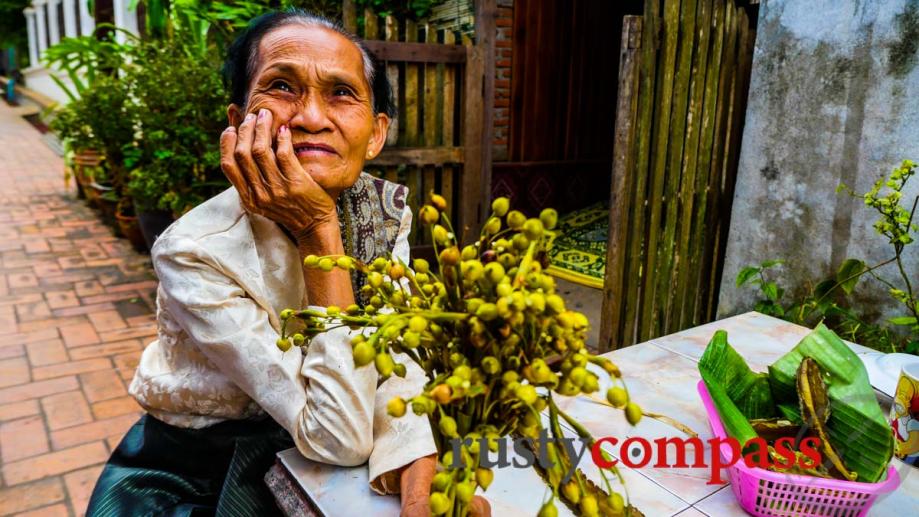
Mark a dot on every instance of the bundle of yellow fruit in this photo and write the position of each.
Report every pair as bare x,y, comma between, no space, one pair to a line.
495,341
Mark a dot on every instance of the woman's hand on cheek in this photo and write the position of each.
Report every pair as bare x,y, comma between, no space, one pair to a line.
272,183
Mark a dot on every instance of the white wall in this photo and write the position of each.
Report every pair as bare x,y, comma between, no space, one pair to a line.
832,100
38,78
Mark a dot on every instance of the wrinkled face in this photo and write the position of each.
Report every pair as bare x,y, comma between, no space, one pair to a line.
312,79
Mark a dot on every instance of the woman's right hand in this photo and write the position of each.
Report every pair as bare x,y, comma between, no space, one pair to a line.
270,182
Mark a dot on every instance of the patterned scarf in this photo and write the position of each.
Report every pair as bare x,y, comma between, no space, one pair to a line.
370,213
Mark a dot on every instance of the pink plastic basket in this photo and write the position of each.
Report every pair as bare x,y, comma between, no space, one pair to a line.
765,493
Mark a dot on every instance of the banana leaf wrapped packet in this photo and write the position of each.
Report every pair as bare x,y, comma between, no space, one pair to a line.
821,385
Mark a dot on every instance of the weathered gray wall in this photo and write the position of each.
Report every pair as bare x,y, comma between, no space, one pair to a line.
834,98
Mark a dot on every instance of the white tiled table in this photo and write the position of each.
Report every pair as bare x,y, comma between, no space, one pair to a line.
661,375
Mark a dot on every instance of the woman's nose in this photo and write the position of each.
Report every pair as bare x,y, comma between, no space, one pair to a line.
313,116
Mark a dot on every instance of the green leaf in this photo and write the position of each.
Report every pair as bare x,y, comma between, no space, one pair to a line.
769,308
822,294
750,391
857,427
823,288
70,95
771,263
731,383
903,320
791,412
849,273
912,347
746,274
771,291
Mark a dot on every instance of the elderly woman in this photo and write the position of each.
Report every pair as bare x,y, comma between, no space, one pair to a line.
308,108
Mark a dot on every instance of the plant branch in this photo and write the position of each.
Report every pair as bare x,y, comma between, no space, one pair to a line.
853,276
909,286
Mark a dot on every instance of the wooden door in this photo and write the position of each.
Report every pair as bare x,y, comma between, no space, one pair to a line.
562,103
684,76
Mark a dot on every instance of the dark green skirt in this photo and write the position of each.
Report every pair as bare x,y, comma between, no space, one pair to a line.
159,469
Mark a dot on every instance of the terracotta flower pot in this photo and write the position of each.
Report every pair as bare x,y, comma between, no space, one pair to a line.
130,226
70,175
101,195
83,161
92,194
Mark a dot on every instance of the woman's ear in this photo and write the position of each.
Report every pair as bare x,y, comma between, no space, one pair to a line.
234,115
378,136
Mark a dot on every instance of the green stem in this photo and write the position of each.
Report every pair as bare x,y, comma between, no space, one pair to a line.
525,263
850,277
909,287
578,428
486,241
411,276
881,280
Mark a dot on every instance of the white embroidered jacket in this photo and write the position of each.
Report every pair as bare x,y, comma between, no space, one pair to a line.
224,276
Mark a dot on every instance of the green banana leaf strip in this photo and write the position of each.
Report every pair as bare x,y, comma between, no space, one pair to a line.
748,390
721,366
790,412
856,427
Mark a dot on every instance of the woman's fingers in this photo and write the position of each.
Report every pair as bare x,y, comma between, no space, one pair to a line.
479,507
287,158
243,155
262,151
418,508
229,166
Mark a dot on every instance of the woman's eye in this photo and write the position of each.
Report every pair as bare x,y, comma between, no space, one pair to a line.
341,91
281,85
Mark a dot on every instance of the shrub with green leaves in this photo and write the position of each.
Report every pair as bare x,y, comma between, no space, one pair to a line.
86,59
112,117
102,119
829,299
181,104
72,127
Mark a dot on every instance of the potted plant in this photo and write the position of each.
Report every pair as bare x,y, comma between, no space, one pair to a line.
106,201
107,109
497,345
83,61
175,159
81,157
129,225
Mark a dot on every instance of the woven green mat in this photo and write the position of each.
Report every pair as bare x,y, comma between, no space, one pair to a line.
577,247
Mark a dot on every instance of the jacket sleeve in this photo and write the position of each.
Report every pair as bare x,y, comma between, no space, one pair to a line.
398,441
330,416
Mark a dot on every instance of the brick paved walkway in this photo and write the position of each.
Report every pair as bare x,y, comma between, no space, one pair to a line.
76,309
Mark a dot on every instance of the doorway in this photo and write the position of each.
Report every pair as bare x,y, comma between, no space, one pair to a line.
562,104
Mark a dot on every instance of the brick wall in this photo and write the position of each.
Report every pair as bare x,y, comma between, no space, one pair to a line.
503,57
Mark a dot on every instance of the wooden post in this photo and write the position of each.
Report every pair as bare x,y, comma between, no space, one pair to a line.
349,16
479,85
623,171
486,20
473,176
392,74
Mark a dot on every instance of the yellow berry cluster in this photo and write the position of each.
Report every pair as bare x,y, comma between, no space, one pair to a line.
490,332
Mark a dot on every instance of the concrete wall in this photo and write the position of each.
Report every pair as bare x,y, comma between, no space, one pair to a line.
834,98
39,79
